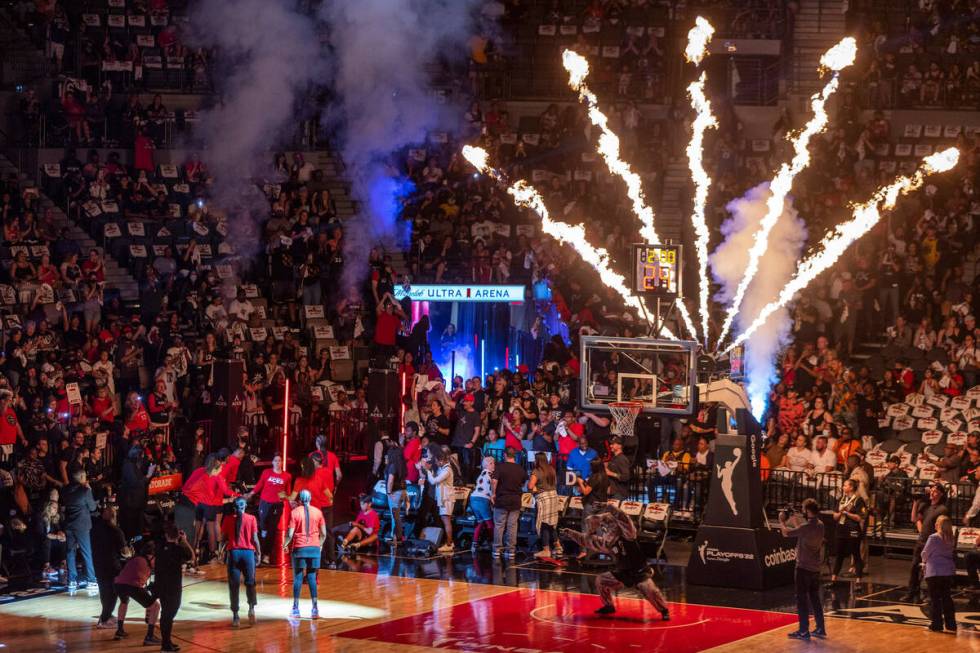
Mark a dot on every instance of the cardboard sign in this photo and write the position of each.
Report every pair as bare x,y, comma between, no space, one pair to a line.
903,423
258,334
166,483
547,30
92,208
531,139
101,439
159,250
53,170
279,332
922,411
109,206
8,296
927,423
932,437
137,251
91,20
876,457
341,353
948,413
958,438
915,399
323,332
527,501
939,401
933,131
136,229
313,311
656,511
631,508
897,410
928,473
74,394
967,537
961,403
145,40
137,20
953,424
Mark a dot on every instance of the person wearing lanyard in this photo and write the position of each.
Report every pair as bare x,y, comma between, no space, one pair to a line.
240,533
307,530
272,488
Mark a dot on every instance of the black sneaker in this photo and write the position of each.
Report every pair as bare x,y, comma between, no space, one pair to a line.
170,648
665,615
802,635
606,609
150,640
819,632
120,634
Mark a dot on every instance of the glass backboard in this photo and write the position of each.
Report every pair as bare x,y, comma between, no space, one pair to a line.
660,374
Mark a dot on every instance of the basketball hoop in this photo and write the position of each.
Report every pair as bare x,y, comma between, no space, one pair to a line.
624,415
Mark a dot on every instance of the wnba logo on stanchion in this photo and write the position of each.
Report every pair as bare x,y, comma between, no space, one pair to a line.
779,556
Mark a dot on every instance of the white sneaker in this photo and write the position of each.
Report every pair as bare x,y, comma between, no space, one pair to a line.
105,625
543,553
446,548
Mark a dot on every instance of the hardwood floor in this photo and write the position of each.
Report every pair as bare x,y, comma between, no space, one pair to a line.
368,613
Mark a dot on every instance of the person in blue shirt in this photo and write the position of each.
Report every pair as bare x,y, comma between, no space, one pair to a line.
580,459
494,446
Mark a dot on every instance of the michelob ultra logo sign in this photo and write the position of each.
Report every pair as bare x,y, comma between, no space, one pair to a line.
461,293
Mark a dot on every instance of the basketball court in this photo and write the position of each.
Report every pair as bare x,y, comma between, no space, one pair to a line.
462,603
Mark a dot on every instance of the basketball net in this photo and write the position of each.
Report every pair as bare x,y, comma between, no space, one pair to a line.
624,415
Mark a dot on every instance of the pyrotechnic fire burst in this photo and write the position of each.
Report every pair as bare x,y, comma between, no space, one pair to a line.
834,244
835,59
578,70
573,235
864,216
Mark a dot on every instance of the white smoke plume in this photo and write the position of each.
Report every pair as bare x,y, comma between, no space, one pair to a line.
728,264
268,56
384,102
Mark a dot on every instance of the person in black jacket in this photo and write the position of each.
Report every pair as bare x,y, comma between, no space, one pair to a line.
132,492
79,504
171,556
109,547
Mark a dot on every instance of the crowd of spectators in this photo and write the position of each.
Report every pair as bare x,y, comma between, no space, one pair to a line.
123,394
130,44
918,54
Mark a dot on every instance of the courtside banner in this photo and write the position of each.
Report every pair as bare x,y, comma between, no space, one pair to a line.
453,293
166,483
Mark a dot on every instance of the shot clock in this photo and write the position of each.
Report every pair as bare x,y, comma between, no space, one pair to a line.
657,270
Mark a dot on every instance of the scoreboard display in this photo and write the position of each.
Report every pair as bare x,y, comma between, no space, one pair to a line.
657,270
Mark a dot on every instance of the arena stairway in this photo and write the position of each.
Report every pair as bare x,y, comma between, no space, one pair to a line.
115,275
